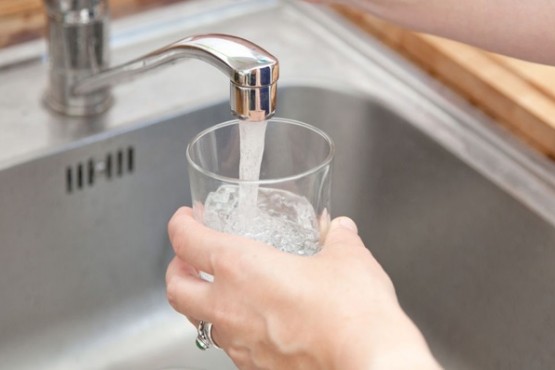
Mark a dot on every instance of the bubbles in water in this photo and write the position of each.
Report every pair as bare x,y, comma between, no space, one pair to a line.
283,219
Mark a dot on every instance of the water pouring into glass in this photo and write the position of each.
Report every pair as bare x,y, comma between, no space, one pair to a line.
268,181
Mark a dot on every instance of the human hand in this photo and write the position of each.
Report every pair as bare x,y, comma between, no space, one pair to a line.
272,310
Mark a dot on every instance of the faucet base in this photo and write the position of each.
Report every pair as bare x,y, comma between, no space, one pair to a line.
80,106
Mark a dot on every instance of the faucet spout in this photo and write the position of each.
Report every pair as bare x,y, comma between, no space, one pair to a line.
253,72
80,79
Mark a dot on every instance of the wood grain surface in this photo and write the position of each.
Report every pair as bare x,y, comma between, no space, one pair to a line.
519,95
23,20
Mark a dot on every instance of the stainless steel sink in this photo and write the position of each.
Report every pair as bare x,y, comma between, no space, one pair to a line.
461,215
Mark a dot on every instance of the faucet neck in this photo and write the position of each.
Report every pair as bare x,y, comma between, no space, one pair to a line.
252,71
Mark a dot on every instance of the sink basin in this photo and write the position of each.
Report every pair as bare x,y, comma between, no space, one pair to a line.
460,215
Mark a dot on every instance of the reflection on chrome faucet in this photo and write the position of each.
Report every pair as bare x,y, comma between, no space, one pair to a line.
80,79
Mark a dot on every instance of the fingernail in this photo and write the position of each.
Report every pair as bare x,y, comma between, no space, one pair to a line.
347,223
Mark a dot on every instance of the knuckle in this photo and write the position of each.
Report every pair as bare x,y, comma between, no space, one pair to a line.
171,293
176,221
178,234
173,233
178,243
170,272
173,222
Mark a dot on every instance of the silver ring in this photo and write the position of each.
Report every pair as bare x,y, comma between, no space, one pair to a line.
204,339
208,328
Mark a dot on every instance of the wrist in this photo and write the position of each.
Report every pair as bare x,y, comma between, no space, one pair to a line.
415,358
387,340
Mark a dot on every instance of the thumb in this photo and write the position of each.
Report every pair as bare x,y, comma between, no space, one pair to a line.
342,232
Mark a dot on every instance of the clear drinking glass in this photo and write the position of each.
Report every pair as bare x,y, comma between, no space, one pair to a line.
288,206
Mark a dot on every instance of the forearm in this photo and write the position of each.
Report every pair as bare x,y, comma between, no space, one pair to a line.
513,27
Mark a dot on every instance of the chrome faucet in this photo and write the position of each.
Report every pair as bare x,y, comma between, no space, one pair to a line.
80,79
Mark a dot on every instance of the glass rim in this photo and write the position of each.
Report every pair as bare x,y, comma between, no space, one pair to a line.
326,162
